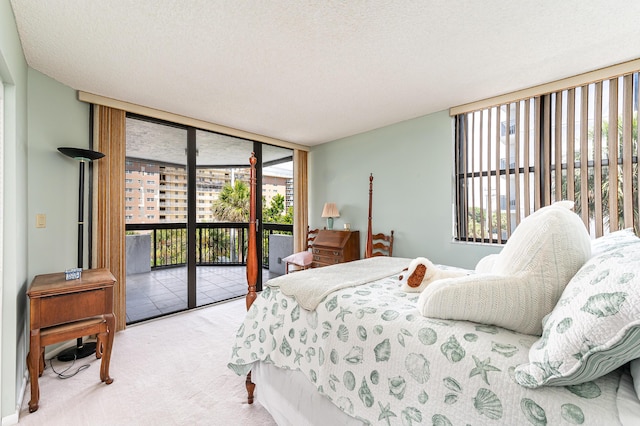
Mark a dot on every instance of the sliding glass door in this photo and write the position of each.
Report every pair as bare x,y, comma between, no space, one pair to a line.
220,216
156,217
187,211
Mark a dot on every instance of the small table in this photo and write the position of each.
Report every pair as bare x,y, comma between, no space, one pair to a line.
62,310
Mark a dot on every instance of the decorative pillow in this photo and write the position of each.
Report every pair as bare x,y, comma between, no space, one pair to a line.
595,327
485,264
523,282
613,240
303,258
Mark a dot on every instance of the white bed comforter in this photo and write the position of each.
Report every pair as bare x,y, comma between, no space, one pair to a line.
311,286
374,356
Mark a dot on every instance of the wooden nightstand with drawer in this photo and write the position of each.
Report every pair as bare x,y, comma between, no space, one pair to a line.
331,247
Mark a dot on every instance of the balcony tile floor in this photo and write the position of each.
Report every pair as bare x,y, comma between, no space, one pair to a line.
160,292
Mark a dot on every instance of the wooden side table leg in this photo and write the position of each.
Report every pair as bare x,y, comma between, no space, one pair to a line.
33,365
100,344
107,341
41,363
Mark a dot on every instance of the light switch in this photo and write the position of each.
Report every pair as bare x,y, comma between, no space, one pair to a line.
41,220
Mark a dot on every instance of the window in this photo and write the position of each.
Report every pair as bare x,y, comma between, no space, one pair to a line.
514,158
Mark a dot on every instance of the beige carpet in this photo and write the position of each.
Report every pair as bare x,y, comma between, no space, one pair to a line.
171,371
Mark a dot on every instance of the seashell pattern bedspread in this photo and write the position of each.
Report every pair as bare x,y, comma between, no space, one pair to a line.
374,356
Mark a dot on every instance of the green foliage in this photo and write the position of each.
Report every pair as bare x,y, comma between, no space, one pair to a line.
215,245
274,211
232,204
171,247
220,245
476,220
605,181
288,217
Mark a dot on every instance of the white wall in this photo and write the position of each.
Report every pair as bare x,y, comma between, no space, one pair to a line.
412,166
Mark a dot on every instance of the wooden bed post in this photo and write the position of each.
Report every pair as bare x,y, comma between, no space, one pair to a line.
252,257
369,250
252,253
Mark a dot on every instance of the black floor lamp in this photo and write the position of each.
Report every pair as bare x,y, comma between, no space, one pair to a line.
82,155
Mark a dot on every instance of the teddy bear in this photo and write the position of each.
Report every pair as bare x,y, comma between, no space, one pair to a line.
421,272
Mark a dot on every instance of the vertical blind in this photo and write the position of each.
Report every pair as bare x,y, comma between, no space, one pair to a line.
579,144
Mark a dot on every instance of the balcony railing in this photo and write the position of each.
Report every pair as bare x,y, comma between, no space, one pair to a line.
217,244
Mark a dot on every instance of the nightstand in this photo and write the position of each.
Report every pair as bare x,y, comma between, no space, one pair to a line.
66,309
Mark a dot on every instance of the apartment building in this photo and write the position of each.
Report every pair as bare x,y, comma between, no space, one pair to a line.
157,193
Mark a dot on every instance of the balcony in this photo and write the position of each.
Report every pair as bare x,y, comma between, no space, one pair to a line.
157,285
217,244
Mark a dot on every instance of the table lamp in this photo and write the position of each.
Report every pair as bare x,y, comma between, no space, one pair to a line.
330,211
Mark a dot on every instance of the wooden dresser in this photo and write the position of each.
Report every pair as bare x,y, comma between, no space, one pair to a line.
331,247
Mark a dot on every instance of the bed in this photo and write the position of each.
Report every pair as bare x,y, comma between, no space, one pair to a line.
353,348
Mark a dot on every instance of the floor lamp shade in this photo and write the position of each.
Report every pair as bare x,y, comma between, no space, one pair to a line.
82,155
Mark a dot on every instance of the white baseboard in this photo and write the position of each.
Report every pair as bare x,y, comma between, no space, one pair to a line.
12,419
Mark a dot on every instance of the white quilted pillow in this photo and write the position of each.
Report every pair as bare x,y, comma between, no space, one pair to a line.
595,327
525,280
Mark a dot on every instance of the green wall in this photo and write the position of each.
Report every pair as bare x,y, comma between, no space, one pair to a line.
13,266
40,115
56,119
412,166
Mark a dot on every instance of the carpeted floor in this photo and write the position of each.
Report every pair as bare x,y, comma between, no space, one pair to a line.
171,371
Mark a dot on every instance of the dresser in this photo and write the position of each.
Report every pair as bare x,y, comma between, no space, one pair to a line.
331,247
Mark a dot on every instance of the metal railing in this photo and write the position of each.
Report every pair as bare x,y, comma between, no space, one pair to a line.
217,244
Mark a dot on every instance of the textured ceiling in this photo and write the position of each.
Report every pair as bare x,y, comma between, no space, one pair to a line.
314,71
167,144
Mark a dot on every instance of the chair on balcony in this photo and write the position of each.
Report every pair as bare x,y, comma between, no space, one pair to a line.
382,245
301,260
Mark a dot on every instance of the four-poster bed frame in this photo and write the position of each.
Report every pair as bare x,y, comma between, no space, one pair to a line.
318,364
252,254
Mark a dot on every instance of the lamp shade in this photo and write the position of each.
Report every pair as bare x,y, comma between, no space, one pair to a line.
81,154
330,210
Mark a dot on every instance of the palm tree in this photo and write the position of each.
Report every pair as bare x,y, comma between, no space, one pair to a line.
232,204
